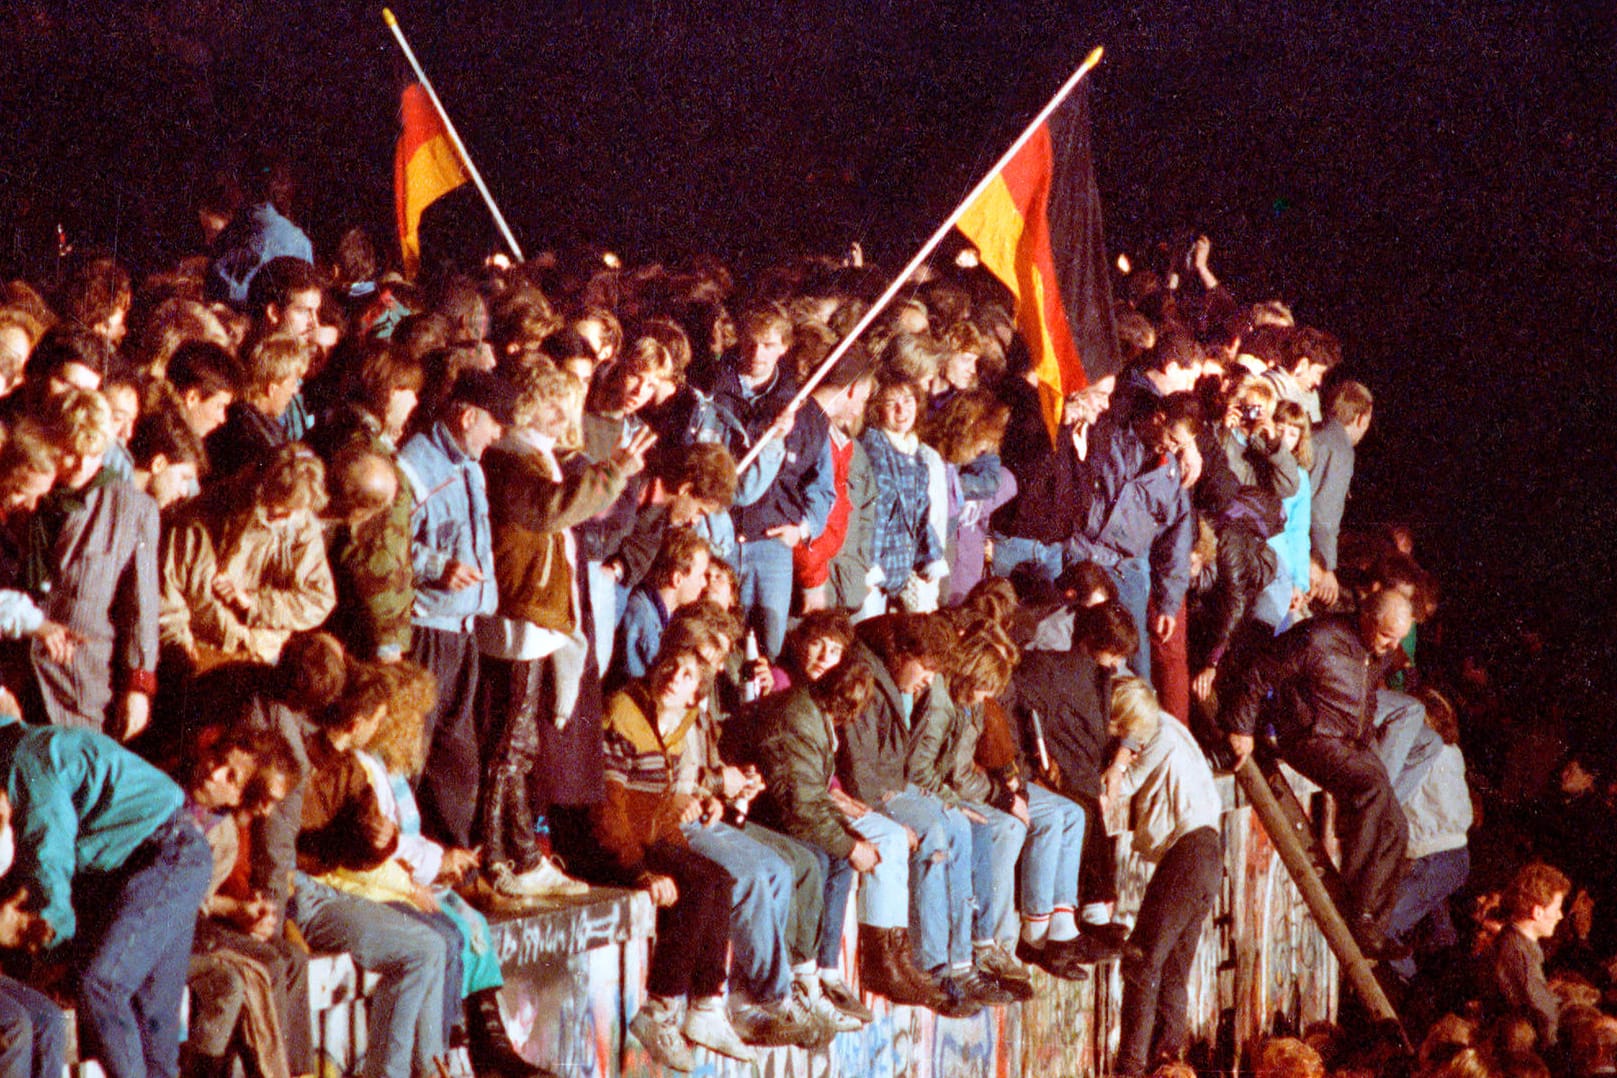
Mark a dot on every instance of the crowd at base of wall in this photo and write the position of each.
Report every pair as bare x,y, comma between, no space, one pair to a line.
575,974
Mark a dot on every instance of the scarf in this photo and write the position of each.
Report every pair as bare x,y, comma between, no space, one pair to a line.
45,528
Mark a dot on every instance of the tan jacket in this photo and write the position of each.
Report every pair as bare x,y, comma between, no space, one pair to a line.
281,565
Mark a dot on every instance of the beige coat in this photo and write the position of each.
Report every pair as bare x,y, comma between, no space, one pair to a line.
280,564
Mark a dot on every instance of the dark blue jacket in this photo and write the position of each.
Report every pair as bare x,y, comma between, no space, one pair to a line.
803,490
1133,507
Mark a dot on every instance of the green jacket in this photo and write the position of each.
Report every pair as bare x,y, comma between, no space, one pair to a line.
375,577
795,750
943,756
882,748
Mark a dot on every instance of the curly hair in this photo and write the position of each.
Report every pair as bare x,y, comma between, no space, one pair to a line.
401,743
970,424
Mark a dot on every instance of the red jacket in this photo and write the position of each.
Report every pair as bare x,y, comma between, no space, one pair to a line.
812,560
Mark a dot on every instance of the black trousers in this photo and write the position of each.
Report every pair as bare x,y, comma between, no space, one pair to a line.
1156,962
1370,826
508,710
447,788
693,935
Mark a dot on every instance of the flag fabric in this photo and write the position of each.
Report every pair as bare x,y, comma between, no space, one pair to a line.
1037,227
425,168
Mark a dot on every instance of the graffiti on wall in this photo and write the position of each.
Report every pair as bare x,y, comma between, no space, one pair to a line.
1260,962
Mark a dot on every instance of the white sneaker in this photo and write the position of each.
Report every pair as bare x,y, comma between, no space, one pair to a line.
546,880
827,1013
657,1027
707,1024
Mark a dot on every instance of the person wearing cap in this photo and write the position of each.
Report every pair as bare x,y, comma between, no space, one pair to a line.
452,552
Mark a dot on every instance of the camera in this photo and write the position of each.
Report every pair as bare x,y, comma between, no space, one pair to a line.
1252,413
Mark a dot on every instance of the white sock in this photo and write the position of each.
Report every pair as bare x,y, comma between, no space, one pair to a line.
1035,927
807,975
1062,925
664,1008
1096,913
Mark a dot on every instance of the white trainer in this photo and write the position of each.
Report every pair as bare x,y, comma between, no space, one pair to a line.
657,1027
546,880
707,1024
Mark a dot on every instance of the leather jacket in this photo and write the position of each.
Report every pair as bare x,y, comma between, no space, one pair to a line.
1317,679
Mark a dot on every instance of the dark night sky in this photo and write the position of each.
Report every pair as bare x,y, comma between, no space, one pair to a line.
1432,181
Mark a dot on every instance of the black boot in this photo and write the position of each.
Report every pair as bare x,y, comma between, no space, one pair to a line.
493,1055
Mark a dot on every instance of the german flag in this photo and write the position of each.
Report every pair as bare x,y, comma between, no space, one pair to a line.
425,168
1037,228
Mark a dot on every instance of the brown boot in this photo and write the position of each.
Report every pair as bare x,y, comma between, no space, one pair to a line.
885,968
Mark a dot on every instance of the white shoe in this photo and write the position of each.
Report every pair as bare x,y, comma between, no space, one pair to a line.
707,1024
657,1027
546,880
828,1014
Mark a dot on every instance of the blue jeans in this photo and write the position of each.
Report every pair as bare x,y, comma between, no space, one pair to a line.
1424,893
766,591
1011,552
839,876
138,952
995,846
1133,579
405,1030
884,891
33,1032
760,903
806,904
1055,847
449,934
941,903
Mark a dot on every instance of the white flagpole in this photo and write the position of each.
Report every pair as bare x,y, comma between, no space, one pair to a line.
928,247
454,136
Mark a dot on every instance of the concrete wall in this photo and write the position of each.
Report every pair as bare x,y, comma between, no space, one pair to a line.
574,976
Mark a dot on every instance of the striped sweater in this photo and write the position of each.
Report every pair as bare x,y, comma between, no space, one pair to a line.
643,802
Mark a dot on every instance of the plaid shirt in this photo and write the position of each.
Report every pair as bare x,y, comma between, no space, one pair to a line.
903,540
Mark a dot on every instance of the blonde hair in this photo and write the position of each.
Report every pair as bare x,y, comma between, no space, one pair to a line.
541,386
25,449
1206,545
1254,389
1135,712
273,359
1291,414
293,478
911,357
401,743
79,421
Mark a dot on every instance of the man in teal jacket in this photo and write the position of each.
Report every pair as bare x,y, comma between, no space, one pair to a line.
117,869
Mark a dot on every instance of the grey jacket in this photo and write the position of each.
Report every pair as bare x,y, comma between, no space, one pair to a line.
103,587
851,566
1330,477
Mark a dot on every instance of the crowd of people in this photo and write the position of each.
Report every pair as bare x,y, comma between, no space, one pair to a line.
341,609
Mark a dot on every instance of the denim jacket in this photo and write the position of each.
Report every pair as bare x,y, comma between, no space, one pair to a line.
1136,509
449,523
